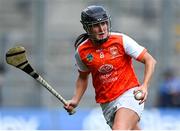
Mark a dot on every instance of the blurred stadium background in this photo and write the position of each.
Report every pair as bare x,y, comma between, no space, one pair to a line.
48,29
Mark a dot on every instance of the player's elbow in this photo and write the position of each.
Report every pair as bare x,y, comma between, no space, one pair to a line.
149,59
151,62
154,62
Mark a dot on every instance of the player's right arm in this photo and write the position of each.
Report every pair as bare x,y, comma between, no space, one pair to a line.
81,84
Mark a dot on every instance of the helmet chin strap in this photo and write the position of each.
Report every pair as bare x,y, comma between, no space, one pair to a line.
99,42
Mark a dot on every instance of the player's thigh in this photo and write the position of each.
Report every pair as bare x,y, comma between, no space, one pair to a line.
125,119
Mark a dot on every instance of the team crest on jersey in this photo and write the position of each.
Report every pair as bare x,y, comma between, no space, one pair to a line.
106,68
89,57
114,51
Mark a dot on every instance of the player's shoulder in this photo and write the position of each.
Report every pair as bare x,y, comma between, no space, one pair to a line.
83,46
124,36
119,35
84,43
116,33
81,39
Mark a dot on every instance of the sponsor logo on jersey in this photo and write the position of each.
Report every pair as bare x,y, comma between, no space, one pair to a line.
89,57
106,68
114,51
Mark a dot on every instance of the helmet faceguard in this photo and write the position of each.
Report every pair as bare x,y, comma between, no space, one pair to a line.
95,15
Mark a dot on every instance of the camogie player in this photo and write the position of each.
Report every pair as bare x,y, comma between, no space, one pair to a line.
107,56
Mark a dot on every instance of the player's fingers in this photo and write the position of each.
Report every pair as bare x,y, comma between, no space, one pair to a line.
70,105
67,105
68,108
135,91
144,99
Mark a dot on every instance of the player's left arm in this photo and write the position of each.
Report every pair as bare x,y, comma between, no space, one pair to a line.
138,52
149,63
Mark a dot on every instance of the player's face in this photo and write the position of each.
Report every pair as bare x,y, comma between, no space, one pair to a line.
99,31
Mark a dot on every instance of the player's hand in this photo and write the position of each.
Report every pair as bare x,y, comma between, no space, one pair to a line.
144,91
70,105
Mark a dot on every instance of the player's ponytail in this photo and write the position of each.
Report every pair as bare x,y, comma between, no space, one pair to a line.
80,39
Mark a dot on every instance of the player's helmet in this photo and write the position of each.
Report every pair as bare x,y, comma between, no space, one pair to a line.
94,15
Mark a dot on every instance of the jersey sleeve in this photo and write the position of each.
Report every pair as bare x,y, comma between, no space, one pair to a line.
79,63
132,48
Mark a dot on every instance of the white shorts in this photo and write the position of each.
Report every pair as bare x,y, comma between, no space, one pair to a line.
125,100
